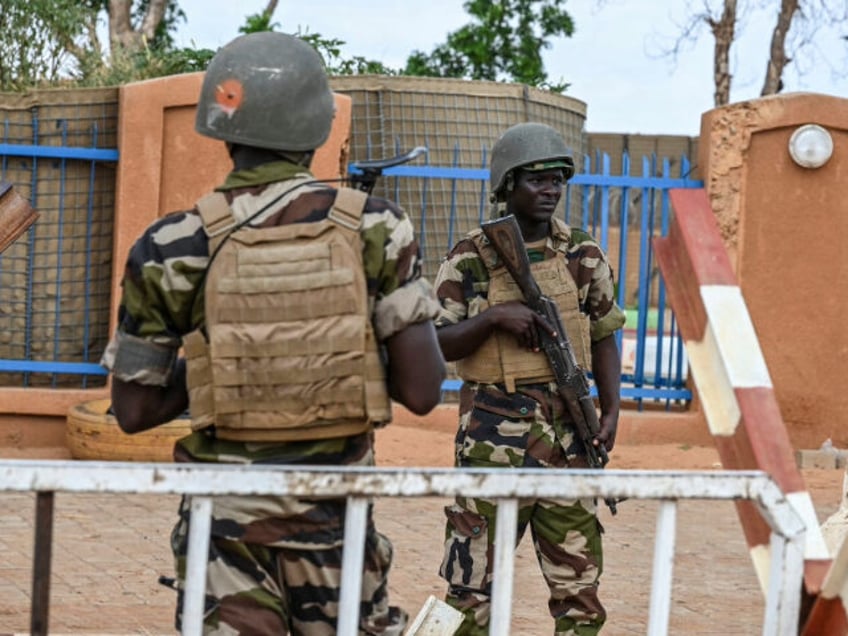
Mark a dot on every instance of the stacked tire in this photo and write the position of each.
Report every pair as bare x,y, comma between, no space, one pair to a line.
93,433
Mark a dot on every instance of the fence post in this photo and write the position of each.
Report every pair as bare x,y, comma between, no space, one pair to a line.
506,526
353,555
663,565
43,551
199,527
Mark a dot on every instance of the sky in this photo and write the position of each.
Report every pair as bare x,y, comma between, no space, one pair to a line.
614,61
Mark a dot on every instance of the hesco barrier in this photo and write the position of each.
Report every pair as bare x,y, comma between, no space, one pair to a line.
458,121
58,148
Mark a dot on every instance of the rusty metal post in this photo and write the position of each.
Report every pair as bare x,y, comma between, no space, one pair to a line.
42,551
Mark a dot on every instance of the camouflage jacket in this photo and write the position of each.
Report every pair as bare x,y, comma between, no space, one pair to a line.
463,280
162,297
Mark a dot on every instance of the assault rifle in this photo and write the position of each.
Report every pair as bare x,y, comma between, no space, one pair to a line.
364,174
505,237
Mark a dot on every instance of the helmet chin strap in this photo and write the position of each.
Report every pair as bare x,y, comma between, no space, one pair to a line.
498,199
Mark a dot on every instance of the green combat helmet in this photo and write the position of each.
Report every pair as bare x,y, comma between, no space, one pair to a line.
530,146
267,90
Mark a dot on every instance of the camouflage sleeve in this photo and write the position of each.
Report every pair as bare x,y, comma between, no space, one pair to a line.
461,284
596,284
159,302
399,295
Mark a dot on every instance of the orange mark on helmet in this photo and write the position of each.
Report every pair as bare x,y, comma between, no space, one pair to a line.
229,95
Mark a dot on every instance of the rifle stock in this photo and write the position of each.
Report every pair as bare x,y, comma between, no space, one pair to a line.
505,237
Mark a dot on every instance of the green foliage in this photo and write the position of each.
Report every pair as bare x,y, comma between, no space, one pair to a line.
330,50
163,39
258,22
30,51
48,41
126,66
359,65
504,41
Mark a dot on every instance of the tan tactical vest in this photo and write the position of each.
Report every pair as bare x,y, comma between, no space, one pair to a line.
289,351
500,358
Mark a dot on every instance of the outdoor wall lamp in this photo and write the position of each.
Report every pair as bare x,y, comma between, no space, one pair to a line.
810,146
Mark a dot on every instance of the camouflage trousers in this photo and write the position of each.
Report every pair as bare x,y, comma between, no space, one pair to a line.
510,430
274,564
275,568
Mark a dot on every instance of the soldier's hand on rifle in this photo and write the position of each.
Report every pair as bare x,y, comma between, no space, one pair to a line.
522,322
608,430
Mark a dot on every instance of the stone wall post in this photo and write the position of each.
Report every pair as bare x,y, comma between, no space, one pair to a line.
786,230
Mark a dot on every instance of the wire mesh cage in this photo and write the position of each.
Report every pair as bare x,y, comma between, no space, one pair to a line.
458,121
58,149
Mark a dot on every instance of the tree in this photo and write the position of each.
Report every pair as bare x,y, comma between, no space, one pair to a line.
505,40
796,26
261,21
47,41
131,34
29,48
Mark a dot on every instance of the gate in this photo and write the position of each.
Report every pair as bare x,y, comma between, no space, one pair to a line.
358,485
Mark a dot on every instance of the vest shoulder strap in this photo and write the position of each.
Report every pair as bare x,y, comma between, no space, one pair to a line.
348,208
487,253
217,217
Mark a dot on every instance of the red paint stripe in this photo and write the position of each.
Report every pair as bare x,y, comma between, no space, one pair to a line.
815,572
757,532
700,234
826,618
735,451
681,285
763,424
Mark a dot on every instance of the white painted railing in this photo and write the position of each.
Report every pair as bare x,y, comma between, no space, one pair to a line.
202,481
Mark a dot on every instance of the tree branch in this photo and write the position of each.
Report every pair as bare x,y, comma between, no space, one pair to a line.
152,18
724,31
778,59
120,24
269,9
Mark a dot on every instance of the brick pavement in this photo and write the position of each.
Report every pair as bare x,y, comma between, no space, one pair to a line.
110,549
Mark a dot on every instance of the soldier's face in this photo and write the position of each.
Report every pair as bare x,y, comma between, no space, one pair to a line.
536,194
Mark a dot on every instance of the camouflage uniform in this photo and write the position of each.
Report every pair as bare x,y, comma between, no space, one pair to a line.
527,428
274,562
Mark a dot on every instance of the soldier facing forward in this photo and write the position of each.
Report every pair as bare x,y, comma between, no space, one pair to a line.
511,414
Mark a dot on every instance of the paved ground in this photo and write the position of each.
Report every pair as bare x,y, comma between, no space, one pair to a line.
110,550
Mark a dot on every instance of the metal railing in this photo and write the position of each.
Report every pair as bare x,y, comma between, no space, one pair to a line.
359,485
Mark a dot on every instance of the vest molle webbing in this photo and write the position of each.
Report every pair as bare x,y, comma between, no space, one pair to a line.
500,358
291,353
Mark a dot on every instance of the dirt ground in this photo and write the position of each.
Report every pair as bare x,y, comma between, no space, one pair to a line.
109,550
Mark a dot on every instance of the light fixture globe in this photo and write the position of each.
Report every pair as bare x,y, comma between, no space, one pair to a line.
810,146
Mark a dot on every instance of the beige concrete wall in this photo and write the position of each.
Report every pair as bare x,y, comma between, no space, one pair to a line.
785,228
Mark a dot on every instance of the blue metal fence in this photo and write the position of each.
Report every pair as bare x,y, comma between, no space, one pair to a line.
56,278
55,282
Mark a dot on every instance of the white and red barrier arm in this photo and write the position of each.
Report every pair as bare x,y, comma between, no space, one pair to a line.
732,379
